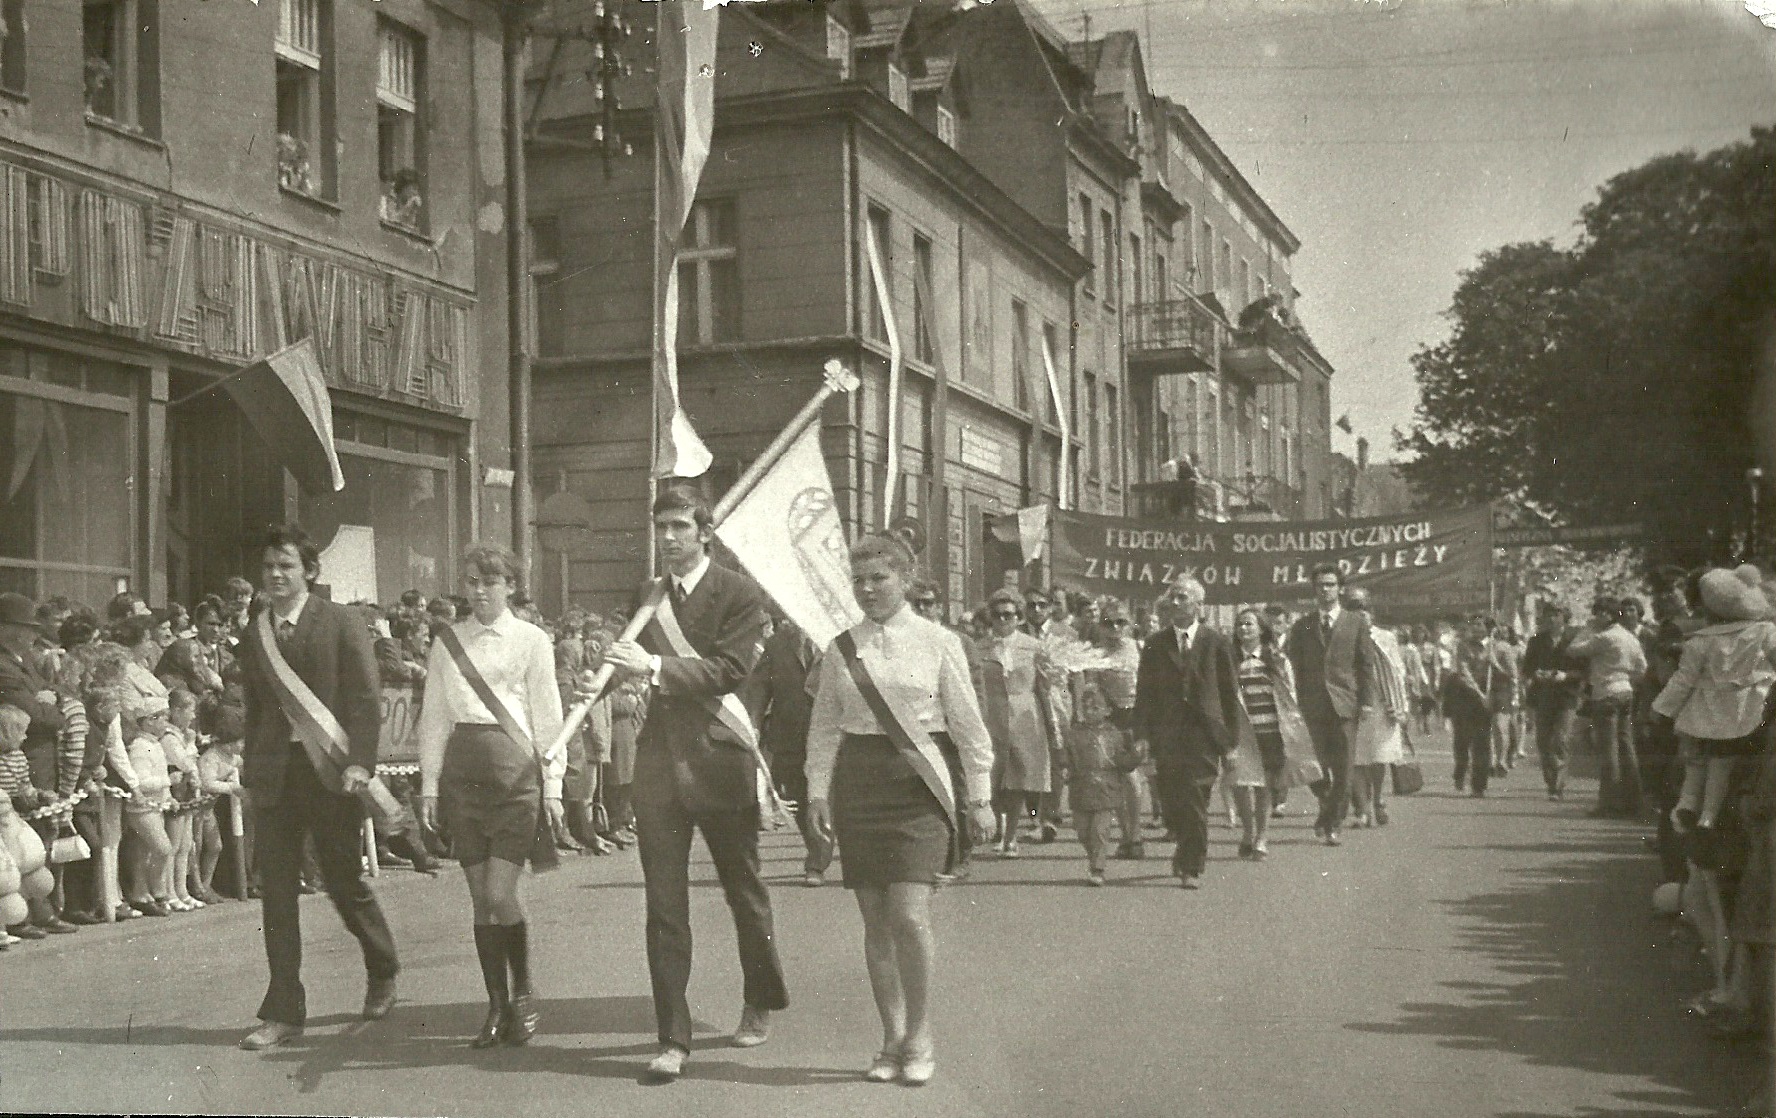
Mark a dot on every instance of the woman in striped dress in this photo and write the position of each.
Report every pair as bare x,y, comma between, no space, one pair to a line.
1259,763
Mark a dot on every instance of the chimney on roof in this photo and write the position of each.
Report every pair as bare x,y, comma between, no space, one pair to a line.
1362,454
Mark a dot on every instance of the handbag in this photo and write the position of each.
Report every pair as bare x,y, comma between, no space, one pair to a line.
1408,776
68,847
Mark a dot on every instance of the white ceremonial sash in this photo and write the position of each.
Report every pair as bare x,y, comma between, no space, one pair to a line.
319,731
727,709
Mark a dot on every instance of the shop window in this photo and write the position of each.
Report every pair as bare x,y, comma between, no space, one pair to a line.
406,503
120,46
66,507
709,276
304,117
400,134
877,322
12,46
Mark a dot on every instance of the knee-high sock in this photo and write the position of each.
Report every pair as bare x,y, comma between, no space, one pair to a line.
490,948
517,941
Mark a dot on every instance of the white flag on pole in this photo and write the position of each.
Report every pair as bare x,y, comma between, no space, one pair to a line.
787,534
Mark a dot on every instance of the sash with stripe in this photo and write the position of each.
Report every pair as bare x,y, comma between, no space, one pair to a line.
904,729
726,709
320,733
542,852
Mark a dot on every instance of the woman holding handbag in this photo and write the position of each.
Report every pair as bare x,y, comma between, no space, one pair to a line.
490,707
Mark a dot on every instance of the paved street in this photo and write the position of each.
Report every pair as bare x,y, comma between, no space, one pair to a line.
1474,958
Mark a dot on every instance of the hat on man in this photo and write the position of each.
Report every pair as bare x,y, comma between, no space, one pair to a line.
1735,595
16,609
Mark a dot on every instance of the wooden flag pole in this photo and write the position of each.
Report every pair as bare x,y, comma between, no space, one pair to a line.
838,379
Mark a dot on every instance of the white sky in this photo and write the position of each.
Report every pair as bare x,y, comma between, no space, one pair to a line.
1399,140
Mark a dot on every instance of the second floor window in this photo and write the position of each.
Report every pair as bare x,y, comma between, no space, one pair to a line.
1085,239
924,344
304,126
1020,354
120,42
399,136
709,276
1112,435
12,45
1109,256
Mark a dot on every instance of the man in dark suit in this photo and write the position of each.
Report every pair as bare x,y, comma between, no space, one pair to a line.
23,686
1186,708
777,696
329,648
1329,649
691,773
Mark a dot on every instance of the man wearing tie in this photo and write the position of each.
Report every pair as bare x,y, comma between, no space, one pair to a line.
1186,706
1329,649
329,650
691,772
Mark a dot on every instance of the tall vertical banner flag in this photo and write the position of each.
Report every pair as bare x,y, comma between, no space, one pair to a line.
786,532
879,283
685,40
1063,419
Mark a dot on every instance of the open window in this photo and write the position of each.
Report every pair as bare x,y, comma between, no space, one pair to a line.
304,124
399,128
120,48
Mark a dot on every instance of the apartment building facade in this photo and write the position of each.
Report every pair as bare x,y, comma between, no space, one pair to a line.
190,186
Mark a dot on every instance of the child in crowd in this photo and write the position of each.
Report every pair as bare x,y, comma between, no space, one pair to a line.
1718,694
1098,754
144,813
181,750
15,771
218,770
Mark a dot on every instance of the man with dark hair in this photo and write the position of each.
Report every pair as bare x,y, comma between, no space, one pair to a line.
1329,649
779,696
313,699
692,773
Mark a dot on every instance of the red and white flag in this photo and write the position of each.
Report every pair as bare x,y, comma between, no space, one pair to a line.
686,97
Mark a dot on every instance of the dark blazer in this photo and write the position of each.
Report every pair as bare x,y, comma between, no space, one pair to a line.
1187,700
683,753
1545,655
1335,675
332,651
776,694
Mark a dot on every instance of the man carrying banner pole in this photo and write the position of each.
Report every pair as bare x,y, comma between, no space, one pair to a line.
313,717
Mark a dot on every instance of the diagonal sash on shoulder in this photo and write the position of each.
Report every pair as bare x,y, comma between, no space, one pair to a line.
903,728
726,709
319,731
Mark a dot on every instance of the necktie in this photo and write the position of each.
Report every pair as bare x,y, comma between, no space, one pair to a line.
284,628
1325,624
678,596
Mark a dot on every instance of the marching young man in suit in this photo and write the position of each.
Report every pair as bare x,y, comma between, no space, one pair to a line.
693,773
1186,708
1329,649
297,790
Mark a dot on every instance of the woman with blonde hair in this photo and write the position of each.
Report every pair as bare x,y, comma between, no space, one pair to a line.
490,709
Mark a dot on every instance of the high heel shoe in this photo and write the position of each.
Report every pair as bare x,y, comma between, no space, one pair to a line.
493,1030
522,1020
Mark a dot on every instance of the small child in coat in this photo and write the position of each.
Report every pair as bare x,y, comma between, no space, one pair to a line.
1098,754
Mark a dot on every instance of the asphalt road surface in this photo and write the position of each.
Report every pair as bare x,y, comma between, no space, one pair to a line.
1491,957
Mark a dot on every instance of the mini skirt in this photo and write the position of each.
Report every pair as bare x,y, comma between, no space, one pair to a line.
889,826
489,795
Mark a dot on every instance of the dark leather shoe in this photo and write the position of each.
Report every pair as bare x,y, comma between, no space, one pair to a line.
27,931
82,918
379,999
56,926
522,1020
493,1030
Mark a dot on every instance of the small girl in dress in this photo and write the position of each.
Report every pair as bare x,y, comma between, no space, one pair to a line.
1718,695
218,770
144,813
1098,754
180,743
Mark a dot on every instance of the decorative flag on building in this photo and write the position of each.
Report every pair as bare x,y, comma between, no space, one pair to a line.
686,97
885,305
285,398
787,534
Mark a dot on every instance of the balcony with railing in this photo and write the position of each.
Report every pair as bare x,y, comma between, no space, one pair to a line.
1267,353
1173,337
1264,498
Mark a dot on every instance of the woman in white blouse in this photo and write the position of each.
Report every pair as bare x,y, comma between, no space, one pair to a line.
487,789
893,834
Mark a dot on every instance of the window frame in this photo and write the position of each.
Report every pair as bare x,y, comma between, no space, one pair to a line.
924,330
879,220
396,104
1086,213
1020,354
900,90
1112,435
946,126
13,53
1089,382
702,255
133,60
542,276
313,60
1110,247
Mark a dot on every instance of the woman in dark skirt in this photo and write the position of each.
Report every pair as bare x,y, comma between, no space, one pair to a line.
894,836
485,789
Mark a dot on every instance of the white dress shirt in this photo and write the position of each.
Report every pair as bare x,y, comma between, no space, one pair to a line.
922,665
517,660
1186,635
